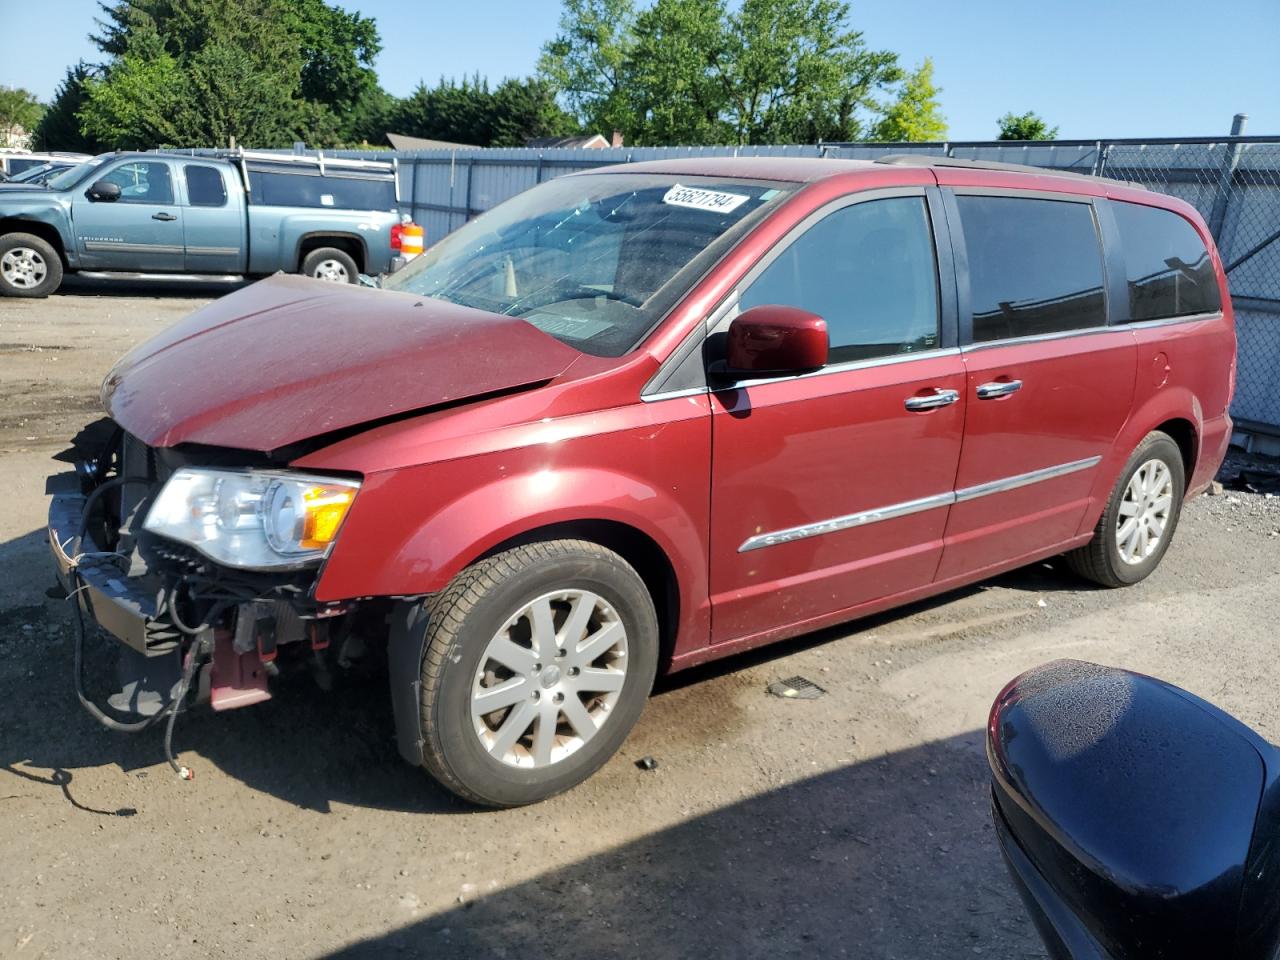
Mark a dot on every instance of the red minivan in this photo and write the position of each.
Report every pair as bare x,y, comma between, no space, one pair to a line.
638,418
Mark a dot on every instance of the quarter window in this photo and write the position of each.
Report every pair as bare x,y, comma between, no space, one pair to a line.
1167,268
868,270
1035,266
142,182
205,187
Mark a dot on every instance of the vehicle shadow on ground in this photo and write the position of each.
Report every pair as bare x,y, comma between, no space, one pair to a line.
889,857
305,746
75,286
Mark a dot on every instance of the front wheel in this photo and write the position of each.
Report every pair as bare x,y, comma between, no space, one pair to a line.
331,264
29,266
1141,516
538,663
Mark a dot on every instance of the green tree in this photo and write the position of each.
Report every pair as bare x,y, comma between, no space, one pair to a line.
799,74
59,128
1025,126
916,114
469,112
675,93
217,73
702,71
266,72
587,61
19,111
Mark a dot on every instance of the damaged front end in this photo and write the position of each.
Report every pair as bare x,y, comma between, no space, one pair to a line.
202,562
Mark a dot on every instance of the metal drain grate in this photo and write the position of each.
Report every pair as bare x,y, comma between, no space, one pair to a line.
796,688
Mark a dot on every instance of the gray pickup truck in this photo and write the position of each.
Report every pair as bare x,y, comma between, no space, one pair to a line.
231,215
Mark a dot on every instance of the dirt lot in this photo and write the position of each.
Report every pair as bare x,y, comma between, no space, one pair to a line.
854,825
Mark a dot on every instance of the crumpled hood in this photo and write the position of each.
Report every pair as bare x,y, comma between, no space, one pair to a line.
290,358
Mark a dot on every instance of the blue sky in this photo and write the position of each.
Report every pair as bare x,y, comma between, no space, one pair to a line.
1095,68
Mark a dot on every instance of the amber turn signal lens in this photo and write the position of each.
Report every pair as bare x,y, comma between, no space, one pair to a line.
324,509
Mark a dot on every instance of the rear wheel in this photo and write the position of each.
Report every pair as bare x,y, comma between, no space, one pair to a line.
1141,516
29,266
331,264
539,661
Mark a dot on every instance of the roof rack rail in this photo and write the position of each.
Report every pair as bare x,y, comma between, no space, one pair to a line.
929,160
315,158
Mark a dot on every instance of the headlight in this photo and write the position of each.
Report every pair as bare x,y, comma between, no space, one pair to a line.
253,519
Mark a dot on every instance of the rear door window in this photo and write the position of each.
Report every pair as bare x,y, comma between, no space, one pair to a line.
1035,266
205,187
1167,268
868,270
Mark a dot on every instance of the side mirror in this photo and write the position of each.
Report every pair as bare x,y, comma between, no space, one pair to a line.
103,191
771,340
1133,816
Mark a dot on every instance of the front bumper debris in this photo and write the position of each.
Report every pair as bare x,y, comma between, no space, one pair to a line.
125,607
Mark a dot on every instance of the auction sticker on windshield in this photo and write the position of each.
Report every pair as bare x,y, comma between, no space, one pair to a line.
679,196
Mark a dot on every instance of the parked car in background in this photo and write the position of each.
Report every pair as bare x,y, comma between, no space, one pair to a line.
233,215
635,419
1136,819
37,175
16,162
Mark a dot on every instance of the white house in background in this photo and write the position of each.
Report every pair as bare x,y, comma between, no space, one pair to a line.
15,137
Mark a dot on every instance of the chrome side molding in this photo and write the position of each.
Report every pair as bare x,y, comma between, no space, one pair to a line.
908,507
1025,479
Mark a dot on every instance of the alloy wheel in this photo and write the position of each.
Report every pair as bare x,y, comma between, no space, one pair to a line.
23,268
549,678
1144,511
332,271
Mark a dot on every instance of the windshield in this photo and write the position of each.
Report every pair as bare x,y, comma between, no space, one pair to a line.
69,178
593,260
35,173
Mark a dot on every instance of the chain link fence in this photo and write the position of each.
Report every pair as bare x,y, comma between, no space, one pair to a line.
1233,181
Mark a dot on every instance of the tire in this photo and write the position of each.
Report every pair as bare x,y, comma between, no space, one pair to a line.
29,266
330,264
487,603
1113,560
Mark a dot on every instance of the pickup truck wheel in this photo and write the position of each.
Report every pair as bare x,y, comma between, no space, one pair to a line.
29,266
538,662
331,264
1138,523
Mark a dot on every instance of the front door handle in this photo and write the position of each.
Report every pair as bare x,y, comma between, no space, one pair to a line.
998,388
939,398
163,216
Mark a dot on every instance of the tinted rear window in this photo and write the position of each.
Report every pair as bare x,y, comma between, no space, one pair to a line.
1167,267
1035,266
205,187
18,165
304,190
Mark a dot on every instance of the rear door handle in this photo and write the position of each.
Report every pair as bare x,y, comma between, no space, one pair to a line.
998,388
939,398
163,216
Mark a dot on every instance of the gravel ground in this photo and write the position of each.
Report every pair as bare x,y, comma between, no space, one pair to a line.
853,825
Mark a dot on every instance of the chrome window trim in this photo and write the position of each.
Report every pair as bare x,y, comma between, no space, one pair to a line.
844,367
1170,321
909,507
1045,337
673,394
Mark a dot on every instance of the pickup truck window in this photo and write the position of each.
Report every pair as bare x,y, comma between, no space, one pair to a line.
142,182
594,260
297,188
205,187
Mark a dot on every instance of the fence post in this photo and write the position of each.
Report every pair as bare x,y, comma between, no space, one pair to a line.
1218,215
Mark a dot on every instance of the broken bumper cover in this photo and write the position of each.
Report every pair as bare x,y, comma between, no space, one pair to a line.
121,605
